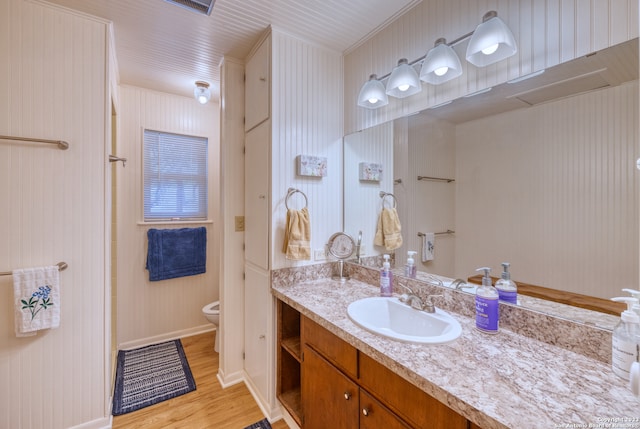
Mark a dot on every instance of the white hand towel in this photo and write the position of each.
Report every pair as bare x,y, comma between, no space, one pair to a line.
36,293
428,246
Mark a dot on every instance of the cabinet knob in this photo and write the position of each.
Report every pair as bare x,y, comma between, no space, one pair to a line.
347,395
263,79
262,196
365,411
262,337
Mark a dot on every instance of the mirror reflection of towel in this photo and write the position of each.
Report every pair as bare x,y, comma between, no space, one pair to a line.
297,235
389,230
428,247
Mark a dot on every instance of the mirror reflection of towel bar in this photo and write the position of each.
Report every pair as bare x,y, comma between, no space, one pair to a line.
113,158
449,231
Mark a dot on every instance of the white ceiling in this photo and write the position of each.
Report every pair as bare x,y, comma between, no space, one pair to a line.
164,47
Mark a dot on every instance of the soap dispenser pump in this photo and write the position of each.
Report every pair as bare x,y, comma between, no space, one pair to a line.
410,267
625,343
507,289
487,306
635,294
386,278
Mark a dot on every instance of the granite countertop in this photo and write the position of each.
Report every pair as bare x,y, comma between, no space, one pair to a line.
496,381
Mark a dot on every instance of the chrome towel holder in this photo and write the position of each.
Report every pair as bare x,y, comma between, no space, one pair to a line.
61,267
384,195
292,191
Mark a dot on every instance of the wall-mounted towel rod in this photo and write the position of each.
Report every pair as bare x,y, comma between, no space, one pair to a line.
292,191
61,267
435,179
61,143
449,231
113,158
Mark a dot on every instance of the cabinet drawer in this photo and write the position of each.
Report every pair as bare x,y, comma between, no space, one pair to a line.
335,350
406,400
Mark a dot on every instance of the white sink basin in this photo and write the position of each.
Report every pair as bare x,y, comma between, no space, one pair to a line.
391,318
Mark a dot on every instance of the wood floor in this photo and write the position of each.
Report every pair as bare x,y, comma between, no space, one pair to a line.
209,406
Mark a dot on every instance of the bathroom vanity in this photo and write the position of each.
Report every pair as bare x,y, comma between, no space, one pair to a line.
332,373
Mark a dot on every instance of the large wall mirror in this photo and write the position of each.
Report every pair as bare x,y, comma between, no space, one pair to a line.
540,173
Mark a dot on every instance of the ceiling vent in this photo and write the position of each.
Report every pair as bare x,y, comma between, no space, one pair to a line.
201,6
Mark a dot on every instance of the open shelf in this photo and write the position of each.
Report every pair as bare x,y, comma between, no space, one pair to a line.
289,361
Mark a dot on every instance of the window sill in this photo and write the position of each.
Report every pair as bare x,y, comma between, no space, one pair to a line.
176,222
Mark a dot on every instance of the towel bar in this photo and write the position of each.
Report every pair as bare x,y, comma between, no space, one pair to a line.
61,267
449,231
61,143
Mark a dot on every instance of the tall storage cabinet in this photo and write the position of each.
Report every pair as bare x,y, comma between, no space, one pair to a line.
259,307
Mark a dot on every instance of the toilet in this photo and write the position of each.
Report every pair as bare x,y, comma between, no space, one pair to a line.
212,313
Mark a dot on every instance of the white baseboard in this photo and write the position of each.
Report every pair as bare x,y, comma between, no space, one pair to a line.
288,419
102,423
230,379
196,330
272,414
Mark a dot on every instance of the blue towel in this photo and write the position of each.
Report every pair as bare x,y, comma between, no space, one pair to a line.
176,252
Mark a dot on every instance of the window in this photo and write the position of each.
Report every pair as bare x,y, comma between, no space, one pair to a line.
175,176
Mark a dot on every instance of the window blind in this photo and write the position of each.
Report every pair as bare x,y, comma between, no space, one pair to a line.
175,176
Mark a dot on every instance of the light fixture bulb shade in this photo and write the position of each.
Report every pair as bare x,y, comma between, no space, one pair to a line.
440,65
404,80
372,94
492,41
202,92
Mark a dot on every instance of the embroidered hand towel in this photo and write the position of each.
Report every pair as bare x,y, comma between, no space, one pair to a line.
176,252
297,235
36,293
428,247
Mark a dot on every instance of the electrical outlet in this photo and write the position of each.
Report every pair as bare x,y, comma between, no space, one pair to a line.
319,255
239,223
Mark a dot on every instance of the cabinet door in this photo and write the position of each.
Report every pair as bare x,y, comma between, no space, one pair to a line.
374,415
329,399
256,202
257,309
257,86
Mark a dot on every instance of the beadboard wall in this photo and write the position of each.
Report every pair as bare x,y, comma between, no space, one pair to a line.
306,120
152,311
54,78
548,32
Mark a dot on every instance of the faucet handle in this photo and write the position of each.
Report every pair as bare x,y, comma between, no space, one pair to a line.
429,307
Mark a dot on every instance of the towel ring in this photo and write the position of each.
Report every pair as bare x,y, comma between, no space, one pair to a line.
384,195
290,193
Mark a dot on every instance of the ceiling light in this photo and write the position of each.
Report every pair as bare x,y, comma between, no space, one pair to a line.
492,41
372,94
441,64
202,92
404,80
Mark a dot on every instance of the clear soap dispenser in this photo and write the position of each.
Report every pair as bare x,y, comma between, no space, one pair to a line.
410,267
625,343
487,306
507,289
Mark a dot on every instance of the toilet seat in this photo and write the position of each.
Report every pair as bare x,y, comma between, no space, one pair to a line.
212,308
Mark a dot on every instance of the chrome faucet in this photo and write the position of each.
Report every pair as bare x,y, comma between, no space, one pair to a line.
414,301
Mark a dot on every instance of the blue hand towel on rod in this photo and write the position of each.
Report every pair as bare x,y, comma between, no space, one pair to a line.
176,252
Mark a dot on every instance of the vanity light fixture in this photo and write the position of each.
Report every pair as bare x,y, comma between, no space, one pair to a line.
404,80
492,41
372,94
202,92
441,64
